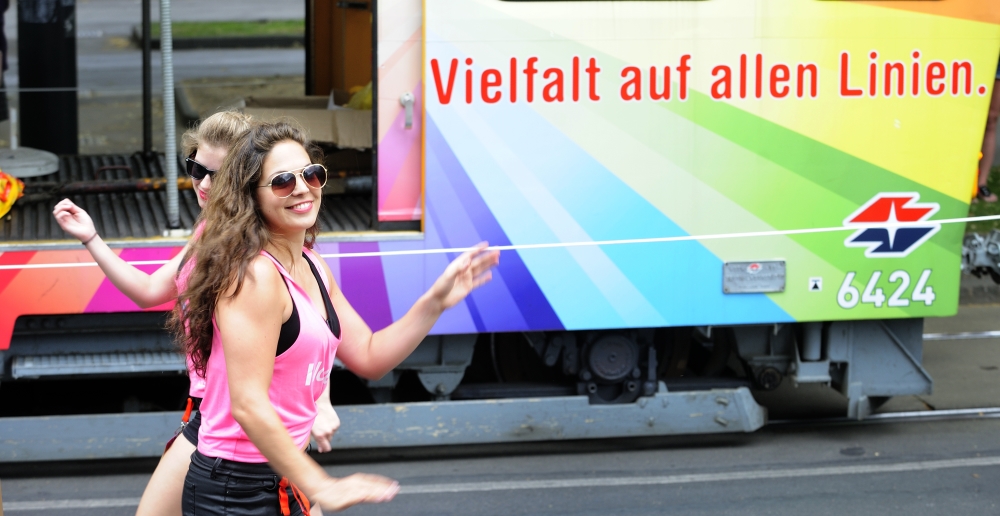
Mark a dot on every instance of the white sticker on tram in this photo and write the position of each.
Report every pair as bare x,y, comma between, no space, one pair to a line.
471,487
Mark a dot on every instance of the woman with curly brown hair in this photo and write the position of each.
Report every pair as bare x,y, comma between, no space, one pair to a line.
206,146
263,320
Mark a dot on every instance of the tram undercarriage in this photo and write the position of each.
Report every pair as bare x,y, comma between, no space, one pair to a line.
459,389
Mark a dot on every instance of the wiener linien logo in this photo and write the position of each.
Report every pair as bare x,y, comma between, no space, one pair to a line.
878,226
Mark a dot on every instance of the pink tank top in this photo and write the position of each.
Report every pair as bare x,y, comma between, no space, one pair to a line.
300,376
197,389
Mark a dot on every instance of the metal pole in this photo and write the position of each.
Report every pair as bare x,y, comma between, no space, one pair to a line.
147,81
375,224
309,47
169,122
13,128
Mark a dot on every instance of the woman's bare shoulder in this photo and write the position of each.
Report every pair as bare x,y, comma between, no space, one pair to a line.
261,281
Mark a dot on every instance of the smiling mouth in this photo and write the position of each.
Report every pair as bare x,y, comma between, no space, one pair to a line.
301,207
203,195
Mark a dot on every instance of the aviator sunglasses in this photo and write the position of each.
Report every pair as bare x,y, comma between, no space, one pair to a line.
196,170
283,184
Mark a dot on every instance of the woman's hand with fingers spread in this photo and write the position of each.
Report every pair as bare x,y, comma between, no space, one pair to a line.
469,271
339,494
74,220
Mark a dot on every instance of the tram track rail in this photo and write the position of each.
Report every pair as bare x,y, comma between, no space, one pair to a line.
968,335
893,417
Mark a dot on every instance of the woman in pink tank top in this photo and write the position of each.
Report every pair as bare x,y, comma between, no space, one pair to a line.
256,275
206,147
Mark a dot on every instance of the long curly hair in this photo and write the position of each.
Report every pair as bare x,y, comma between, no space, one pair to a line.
235,234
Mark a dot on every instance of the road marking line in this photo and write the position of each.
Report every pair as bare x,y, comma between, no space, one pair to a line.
702,478
71,504
896,417
472,487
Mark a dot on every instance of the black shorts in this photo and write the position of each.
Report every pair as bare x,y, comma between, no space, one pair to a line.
194,423
217,487
191,428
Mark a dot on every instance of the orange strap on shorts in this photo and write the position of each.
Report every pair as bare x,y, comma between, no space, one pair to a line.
187,411
283,498
184,420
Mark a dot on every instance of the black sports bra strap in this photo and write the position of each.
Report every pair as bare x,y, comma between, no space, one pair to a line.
331,315
289,332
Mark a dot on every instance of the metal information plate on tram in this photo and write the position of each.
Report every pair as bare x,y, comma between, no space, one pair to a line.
753,277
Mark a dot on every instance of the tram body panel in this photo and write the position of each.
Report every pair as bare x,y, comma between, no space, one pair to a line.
579,171
542,112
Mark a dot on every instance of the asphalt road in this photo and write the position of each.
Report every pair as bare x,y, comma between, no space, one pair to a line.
916,468
945,467
109,67
105,63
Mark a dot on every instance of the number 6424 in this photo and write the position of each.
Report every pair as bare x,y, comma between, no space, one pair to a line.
849,297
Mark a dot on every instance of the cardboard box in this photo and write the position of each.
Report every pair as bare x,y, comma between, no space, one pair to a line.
322,121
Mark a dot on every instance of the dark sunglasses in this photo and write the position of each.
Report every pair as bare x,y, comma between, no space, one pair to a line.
283,184
197,170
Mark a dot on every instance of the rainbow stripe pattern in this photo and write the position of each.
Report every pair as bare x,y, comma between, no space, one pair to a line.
713,158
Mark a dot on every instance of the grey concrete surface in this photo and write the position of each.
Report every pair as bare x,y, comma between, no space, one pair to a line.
970,318
978,291
810,451
966,374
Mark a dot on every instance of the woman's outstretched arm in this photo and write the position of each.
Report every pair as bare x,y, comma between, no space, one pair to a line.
250,323
144,289
372,355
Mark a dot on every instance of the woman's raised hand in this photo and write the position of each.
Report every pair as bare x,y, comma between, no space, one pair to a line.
339,494
463,275
74,220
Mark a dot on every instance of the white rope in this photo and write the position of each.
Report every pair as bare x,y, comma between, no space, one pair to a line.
73,264
657,240
589,243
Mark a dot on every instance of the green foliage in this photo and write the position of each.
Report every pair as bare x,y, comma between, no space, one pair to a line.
216,29
979,209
